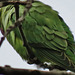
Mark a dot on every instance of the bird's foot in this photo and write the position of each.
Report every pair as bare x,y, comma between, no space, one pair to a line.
33,61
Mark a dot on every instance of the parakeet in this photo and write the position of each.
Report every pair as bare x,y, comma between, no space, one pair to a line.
46,32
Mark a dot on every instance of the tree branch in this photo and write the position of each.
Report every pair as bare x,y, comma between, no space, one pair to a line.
7,70
5,3
25,43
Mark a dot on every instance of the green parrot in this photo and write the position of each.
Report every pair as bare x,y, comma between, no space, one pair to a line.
46,32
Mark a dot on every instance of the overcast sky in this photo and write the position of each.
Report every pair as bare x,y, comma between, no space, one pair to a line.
66,9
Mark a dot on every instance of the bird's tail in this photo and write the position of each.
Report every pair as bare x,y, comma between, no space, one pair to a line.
63,59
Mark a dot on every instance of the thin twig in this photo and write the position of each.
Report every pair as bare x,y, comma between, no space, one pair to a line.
12,27
16,24
2,4
25,43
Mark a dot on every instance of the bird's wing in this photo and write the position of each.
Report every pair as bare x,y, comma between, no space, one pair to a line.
48,36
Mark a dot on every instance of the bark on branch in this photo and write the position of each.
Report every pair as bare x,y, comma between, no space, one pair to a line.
7,70
5,3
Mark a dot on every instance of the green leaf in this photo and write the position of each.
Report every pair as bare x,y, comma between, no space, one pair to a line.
6,15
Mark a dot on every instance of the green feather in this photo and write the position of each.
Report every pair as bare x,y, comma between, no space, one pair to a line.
47,34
